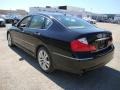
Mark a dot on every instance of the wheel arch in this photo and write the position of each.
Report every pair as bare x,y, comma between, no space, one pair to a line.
38,47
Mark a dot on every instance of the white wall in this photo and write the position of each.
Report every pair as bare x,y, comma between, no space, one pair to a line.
70,10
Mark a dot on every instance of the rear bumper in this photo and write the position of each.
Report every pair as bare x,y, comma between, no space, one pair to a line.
76,65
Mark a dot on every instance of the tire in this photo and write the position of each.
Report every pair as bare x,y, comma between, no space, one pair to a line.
44,59
10,43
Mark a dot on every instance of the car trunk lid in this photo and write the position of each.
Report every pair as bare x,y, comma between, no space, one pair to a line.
99,38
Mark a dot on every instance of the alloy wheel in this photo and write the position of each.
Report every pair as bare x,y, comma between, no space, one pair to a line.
43,59
9,40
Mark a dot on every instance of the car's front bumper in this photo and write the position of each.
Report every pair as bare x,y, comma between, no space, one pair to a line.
76,65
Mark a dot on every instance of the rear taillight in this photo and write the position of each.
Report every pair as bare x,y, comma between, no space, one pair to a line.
81,45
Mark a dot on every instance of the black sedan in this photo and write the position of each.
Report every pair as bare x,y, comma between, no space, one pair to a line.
64,42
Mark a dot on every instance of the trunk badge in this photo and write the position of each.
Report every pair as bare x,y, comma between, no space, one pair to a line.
99,35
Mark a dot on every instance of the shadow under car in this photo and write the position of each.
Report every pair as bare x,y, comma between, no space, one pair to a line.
104,78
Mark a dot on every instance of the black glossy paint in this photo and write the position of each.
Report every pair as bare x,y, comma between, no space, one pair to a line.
57,39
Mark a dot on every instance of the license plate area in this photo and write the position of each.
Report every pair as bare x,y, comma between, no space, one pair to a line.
102,43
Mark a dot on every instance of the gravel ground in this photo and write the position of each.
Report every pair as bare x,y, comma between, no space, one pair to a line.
19,71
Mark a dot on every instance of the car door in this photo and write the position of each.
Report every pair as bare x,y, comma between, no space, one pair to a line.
18,31
35,32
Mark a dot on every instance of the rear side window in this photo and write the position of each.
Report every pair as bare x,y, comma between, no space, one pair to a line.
37,22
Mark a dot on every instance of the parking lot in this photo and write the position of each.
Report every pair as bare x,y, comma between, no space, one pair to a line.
19,71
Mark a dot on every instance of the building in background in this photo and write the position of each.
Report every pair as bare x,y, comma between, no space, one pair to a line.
117,19
80,12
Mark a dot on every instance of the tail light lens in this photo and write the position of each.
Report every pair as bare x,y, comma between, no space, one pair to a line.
81,45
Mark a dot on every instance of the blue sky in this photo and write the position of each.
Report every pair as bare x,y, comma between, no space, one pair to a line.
96,6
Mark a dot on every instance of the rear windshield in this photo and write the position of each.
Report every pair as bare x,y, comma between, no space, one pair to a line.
72,21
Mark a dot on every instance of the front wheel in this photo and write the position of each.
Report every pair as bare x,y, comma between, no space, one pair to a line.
9,40
44,60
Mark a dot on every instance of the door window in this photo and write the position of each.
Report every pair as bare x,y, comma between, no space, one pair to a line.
25,22
37,22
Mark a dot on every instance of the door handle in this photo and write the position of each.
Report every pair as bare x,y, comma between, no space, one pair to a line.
37,33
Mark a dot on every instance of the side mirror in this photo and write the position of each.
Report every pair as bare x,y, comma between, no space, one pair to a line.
23,25
14,23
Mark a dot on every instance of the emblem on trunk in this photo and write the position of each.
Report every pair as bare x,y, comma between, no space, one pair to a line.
99,35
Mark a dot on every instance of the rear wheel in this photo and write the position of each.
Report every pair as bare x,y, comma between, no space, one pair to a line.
9,40
44,60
